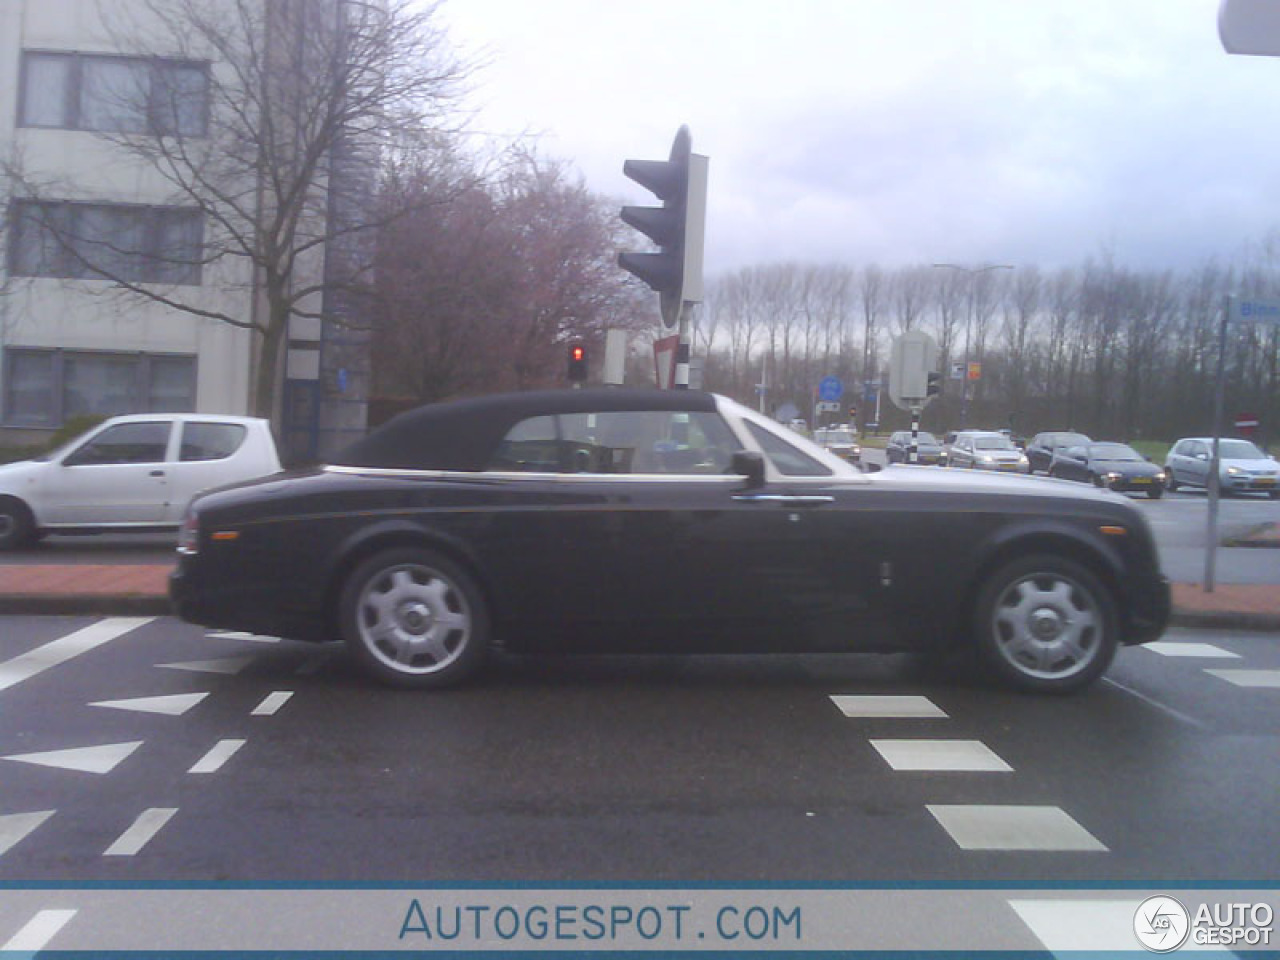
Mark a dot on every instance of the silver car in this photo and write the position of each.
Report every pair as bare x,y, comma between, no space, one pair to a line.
1244,468
988,451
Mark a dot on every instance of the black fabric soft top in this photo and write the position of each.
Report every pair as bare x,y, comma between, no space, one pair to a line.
462,434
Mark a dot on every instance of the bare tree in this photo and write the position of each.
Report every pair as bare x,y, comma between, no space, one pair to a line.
271,133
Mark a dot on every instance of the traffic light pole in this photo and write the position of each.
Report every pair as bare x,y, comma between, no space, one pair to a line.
681,380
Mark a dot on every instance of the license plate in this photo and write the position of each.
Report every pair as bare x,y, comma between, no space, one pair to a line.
1141,480
1265,481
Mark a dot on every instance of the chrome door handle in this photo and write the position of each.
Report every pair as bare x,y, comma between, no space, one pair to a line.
157,473
789,500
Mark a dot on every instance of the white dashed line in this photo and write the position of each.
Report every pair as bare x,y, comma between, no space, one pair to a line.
1269,679
1013,827
1171,648
144,828
27,665
272,703
220,753
971,756
904,707
38,931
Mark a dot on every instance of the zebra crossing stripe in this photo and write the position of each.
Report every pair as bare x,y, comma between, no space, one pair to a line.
143,829
38,931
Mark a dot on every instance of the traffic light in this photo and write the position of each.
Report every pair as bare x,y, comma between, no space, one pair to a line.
677,227
934,386
577,363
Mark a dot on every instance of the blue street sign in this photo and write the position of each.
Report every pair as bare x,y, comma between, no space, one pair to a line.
830,389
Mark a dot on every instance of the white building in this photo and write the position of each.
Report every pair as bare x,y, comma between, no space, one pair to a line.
71,342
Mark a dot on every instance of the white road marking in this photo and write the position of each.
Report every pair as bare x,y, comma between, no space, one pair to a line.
15,826
219,753
1269,679
241,635
905,707
27,665
226,665
173,705
144,828
1172,648
272,703
1100,926
1013,827
38,931
941,755
101,759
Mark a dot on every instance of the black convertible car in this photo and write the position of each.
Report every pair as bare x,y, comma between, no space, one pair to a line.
673,521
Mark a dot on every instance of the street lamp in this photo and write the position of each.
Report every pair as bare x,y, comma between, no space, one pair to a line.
968,323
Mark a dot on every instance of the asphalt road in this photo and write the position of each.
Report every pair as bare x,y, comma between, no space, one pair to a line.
268,762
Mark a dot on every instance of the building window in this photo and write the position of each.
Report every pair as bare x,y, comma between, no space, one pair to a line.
72,91
125,242
44,388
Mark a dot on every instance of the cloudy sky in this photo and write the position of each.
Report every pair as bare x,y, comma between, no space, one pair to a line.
905,131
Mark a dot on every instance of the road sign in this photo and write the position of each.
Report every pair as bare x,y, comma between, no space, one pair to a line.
975,370
830,389
1254,310
958,370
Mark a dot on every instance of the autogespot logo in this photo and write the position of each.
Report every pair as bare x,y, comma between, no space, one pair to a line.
1161,924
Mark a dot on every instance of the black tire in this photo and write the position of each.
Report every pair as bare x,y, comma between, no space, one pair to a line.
1045,624
1155,491
17,526
1097,480
412,618
1172,482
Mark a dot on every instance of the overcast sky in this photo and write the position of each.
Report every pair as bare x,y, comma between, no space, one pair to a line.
905,131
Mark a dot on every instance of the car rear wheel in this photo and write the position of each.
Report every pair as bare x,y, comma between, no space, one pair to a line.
1046,624
17,526
412,618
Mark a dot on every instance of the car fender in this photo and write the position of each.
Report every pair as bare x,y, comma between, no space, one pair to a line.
389,534
1048,536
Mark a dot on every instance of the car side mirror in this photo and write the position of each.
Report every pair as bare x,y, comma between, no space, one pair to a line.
750,464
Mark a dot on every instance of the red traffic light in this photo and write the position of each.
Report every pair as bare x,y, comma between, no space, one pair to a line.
577,363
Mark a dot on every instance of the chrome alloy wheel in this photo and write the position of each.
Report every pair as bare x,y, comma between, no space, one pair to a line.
413,619
1048,626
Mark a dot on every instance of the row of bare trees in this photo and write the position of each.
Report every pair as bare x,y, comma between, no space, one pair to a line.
1106,349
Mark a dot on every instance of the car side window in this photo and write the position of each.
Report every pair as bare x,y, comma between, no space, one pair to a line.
619,442
124,443
789,461
667,442
211,441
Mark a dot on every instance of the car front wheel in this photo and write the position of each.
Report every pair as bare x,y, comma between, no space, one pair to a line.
1046,624
412,618
1172,481
17,527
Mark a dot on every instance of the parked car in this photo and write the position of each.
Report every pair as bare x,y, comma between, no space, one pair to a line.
928,449
131,473
986,451
627,520
1042,447
1114,465
841,441
1243,467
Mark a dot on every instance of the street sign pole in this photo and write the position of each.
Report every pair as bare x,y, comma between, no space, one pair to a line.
912,455
1215,465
